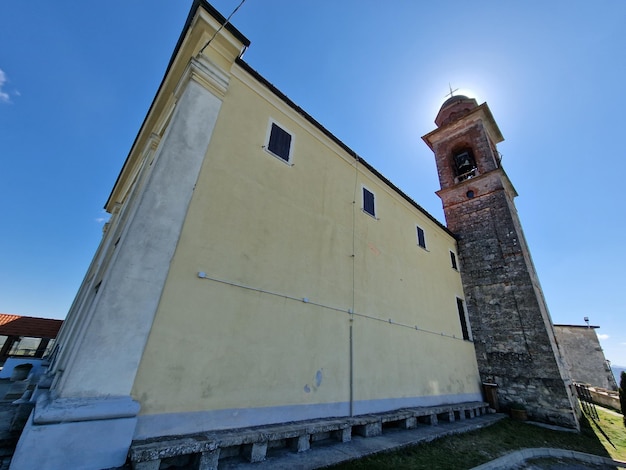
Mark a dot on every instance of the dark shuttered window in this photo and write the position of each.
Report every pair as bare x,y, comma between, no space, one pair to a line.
421,239
280,142
368,202
453,260
462,318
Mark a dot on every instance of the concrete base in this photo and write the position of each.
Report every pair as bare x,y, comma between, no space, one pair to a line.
81,434
150,465
209,460
369,429
171,424
301,443
255,452
343,435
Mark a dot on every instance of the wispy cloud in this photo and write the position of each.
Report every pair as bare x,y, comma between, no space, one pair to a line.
603,336
4,96
104,217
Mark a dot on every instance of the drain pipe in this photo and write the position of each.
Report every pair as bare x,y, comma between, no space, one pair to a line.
351,367
351,311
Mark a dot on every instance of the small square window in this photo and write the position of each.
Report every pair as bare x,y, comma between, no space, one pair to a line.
453,260
368,202
279,142
421,239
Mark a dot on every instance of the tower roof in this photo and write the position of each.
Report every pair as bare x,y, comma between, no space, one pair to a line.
454,108
453,99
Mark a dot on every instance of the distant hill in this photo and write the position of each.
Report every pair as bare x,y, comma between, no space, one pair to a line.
617,371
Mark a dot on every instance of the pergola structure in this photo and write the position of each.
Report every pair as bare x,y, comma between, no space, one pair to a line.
38,332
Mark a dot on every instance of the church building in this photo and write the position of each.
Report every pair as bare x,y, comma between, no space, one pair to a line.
255,270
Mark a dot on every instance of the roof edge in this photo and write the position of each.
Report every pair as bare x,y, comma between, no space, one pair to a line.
246,42
239,61
192,13
577,326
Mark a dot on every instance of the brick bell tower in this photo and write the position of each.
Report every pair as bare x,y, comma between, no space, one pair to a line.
511,327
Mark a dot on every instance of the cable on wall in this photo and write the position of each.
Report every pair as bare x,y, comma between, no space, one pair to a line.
351,329
222,26
354,199
351,312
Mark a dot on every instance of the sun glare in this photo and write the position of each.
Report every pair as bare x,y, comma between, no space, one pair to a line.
465,92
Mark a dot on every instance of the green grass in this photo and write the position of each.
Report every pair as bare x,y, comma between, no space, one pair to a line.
606,437
611,432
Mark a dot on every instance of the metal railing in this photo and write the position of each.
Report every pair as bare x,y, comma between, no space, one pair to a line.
467,175
586,400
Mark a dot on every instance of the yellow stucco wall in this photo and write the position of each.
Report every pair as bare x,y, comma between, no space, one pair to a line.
255,221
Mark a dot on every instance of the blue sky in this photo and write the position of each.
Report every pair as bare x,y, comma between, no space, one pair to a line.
76,83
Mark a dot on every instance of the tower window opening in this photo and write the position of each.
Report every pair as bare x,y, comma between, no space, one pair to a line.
465,165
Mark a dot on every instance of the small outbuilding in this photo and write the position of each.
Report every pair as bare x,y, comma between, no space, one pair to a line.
581,348
26,336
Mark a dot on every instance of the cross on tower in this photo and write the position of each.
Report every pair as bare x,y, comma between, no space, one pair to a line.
451,94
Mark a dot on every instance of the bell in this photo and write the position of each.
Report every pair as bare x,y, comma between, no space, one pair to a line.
463,162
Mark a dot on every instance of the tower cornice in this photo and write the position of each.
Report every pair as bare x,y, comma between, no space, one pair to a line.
479,113
474,188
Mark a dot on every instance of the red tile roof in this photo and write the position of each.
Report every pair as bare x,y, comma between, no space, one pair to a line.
17,325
